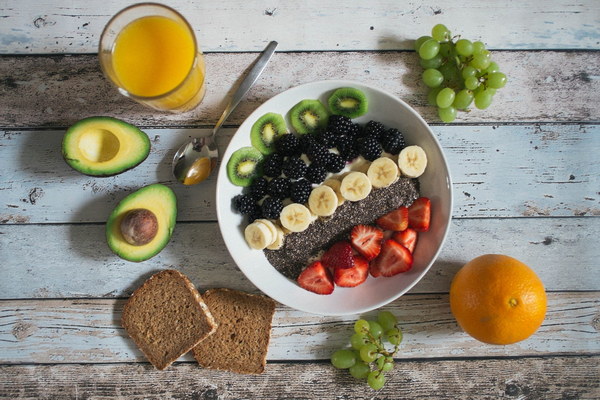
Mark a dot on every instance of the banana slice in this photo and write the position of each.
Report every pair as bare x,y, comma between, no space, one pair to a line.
412,161
295,217
258,235
278,243
382,172
335,185
272,227
322,201
355,186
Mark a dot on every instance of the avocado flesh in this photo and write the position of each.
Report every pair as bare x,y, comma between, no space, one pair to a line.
157,198
104,146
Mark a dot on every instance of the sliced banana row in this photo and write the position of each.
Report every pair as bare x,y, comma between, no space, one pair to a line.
323,201
355,186
335,185
412,161
383,172
295,217
264,234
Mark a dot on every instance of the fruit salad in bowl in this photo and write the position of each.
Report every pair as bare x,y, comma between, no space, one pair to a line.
334,197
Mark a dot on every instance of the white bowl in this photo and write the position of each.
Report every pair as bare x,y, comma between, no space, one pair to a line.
435,184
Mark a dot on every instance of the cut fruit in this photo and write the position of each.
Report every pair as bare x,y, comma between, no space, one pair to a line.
295,217
265,132
419,214
335,185
395,220
412,161
382,172
244,165
353,276
309,116
355,186
366,239
258,235
349,102
323,201
393,259
407,238
316,278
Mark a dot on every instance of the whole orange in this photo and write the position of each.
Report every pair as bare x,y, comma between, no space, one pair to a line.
497,299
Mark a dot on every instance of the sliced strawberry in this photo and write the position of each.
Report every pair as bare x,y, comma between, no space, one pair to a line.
316,278
419,214
366,240
393,259
339,256
350,277
407,238
396,220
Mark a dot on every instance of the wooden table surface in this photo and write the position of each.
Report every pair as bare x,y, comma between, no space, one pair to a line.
525,172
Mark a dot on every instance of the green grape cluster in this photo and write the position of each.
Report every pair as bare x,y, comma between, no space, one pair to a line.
368,358
458,73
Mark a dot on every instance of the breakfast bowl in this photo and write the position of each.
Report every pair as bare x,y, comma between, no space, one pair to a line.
435,184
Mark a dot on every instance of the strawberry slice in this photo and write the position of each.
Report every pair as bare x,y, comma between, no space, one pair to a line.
396,220
407,238
351,277
366,240
339,255
393,259
419,214
316,278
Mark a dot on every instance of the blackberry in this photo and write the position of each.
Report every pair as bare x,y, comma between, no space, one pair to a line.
271,208
374,129
255,214
339,124
350,154
316,173
244,204
300,191
288,145
355,130
370,148
317,154
306,142
279,188
392,141
343,142
294,168
272,165
327,138
258,189
335,163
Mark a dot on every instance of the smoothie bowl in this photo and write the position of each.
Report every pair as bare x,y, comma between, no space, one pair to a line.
276,274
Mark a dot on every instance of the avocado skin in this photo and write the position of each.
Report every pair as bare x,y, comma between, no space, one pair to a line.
80,164
159,199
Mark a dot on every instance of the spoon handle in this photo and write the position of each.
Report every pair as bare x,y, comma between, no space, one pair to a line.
247,83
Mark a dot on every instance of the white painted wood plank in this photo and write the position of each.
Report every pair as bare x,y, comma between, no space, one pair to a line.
56,91
74,331
54,261
68,27
549,170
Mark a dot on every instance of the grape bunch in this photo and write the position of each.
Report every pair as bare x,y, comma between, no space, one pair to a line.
458,73
368,358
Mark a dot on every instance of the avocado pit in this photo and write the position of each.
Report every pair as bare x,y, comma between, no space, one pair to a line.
139,226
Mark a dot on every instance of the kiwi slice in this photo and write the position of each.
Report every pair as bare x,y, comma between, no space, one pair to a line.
266,130
348,101
309,116
244,165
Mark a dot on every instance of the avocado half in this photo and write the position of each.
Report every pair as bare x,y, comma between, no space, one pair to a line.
157,198
104,146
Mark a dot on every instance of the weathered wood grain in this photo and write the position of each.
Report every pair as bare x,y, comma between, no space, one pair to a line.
88,331
56,91
549,170
64,27
53,261
530,378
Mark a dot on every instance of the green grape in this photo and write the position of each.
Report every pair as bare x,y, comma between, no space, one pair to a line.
464,47
361,326
496,80
493,67
468,71
480,61
394,335
445,98
483,99
432,96
343,359
360,370
387,320
435,62
440,33
358,340
432,77
368,353
447,114
445,49
385,364
490,90
376,380
478,47
420,41
471,83
463,99
429,49
376,329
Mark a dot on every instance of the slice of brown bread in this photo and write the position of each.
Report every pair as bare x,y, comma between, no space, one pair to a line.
241,341
166,317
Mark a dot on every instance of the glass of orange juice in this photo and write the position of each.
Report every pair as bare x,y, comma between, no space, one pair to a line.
150,53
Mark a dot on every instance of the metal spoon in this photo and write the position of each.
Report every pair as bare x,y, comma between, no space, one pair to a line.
195,160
